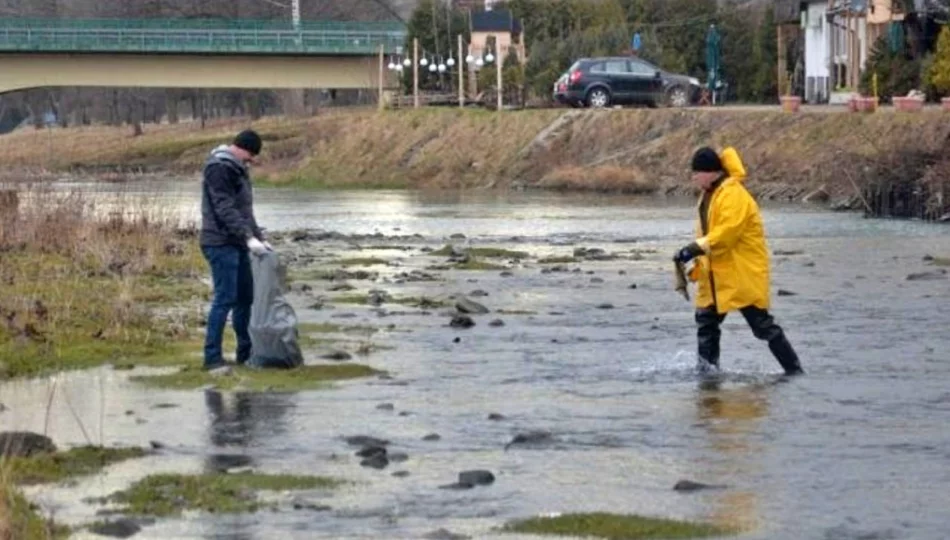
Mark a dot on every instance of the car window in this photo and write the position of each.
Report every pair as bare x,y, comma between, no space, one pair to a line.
639,68
610,66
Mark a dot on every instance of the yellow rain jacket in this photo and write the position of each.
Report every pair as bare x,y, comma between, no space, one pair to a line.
734,272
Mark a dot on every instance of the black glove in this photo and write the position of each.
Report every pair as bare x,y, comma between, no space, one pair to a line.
688,253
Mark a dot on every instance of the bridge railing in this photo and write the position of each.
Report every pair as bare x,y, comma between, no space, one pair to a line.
190,36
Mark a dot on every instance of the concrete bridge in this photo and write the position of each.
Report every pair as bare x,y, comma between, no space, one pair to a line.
195,53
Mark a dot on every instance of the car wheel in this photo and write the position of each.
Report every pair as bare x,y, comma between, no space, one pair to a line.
677,97
598,98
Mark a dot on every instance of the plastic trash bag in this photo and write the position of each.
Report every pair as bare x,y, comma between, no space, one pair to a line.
273,327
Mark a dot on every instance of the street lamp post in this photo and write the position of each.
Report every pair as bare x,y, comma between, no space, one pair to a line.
296,9
461,76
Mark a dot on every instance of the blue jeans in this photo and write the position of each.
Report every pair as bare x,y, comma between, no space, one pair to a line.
234,294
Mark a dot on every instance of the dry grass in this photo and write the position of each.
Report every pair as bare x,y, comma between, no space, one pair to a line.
626,150
608,178
79,284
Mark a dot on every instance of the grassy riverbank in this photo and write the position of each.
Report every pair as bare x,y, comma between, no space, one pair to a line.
639,151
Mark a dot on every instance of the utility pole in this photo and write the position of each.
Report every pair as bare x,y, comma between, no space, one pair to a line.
415,72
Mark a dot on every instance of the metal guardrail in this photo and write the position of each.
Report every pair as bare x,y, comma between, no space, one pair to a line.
198,36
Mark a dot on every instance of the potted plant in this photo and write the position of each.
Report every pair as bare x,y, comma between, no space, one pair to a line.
940,69
913,101
790,103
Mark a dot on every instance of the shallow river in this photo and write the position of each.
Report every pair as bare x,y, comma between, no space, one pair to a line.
858,448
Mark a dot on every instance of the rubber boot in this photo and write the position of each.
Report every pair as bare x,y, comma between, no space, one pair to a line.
786,356
708,334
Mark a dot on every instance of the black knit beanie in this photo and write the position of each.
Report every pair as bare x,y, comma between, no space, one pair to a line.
706,160
249,140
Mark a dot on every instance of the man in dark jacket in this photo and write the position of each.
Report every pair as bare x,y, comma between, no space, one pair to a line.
228,232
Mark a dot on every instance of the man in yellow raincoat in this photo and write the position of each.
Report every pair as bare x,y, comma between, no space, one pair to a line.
730,259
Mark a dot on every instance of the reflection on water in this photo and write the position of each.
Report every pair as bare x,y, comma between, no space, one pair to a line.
239,421
730,417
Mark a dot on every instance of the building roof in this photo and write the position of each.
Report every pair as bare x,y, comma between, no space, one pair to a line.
495,21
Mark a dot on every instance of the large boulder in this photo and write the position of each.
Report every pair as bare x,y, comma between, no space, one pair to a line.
24,444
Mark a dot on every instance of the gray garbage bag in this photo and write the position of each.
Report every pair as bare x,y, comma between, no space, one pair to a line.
273,325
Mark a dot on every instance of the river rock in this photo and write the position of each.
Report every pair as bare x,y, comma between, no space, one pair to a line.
465,305
478,293
401,474
365,440
338,356
378,297
507,273
457,236
606,305
462,321
928,276
496,417
596,280
786,253
122,528
228,462
432,437
398,457
376,461
497,323
3,407
689,485
338,287
531,438
303,504
417,276
783,292
476,478
385,407
24,444
372,450
445,534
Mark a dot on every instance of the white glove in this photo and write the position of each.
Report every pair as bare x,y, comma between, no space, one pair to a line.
256,246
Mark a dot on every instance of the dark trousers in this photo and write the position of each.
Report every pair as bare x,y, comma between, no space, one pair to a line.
234,294
763,327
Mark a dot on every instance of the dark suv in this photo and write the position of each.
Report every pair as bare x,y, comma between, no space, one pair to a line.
622,80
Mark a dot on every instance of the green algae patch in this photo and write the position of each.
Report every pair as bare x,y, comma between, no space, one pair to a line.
59,466
488,253
170,494
19,518
313,377
615,527
475,264
359,261
559,260
66,313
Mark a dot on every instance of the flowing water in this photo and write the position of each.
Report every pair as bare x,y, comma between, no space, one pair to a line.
857,448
